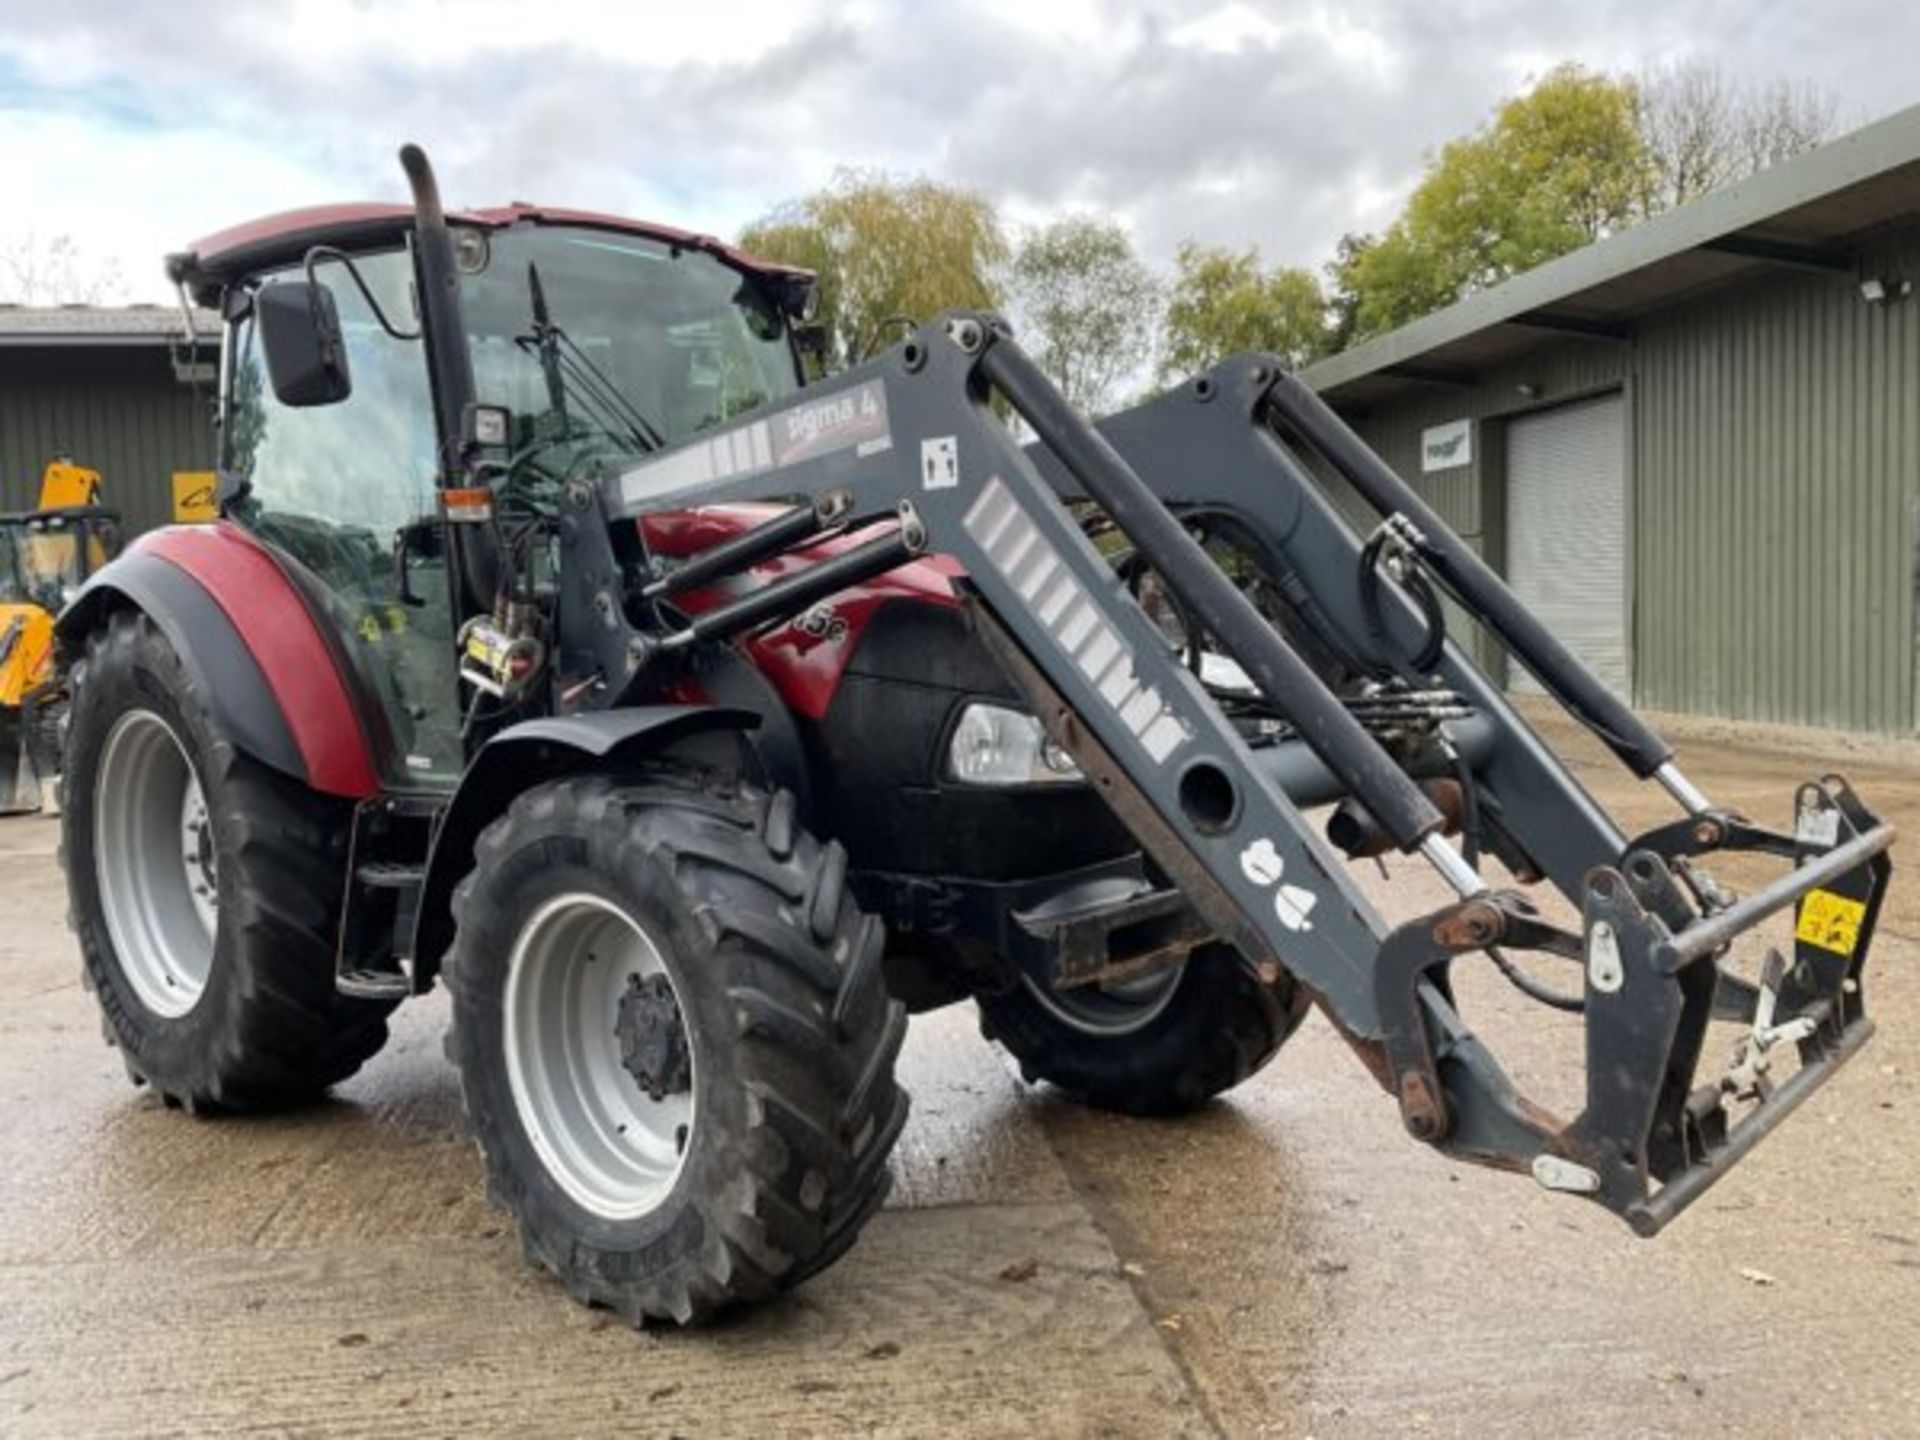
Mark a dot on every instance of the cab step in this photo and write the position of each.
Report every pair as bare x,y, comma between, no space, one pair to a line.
391,890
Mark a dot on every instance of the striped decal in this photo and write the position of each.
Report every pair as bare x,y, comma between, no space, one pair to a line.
1034,568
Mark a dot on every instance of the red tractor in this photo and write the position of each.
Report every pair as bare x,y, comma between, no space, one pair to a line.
694,725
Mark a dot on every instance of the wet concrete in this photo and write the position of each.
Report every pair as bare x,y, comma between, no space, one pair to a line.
1285,1263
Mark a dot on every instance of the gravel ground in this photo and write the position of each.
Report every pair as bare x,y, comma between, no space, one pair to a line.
1285,1263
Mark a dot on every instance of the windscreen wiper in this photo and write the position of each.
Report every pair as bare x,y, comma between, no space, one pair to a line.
569,370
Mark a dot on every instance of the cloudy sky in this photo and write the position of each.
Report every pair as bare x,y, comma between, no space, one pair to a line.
137,126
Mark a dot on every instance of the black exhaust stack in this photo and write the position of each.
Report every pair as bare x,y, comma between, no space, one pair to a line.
475,548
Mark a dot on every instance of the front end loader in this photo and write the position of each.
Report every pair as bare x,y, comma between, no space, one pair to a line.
693,724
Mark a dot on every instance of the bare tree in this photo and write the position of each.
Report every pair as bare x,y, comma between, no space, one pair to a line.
1782,119
1705,131
53,270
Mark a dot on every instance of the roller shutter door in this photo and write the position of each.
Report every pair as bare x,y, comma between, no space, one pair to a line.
1567,532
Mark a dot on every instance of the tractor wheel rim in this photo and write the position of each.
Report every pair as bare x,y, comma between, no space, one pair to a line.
155,864
1105,1010
602,1138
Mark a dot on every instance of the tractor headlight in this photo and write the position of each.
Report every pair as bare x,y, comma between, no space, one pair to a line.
993,745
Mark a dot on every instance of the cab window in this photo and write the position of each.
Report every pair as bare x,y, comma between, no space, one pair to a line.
336,487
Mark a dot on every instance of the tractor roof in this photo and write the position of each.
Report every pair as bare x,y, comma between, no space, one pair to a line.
214,261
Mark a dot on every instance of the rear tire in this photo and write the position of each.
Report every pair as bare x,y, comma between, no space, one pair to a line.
765,1040
1147,1050
213,961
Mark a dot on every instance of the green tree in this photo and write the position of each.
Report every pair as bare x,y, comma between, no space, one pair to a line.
885,249
1555,169
1224,302
1087,306
1343,301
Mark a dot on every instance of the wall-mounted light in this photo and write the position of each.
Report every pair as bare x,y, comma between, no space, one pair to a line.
1884,290
1527,390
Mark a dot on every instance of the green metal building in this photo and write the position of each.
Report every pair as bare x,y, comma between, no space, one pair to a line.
1695,446
120,390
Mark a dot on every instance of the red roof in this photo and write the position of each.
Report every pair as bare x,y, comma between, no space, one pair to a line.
275,239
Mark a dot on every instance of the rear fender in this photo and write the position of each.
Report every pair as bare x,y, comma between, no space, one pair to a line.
251,645
535,752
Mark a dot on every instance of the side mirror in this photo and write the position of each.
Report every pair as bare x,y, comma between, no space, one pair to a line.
810,339
300,335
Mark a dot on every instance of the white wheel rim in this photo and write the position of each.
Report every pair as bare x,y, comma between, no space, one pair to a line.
155,864
613,1149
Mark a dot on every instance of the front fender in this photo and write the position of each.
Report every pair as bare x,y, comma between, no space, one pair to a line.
533,753
253,649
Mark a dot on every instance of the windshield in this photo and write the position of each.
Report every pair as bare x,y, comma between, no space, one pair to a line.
645,341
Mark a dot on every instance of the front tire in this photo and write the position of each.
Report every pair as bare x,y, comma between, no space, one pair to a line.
674,1041
1159,1045
204,890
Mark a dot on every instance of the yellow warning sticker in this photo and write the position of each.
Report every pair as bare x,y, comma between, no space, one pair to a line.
1830,921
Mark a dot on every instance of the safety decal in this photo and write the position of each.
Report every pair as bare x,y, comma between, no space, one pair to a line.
1293,903
1817,825
1830,921
1260,862
940,463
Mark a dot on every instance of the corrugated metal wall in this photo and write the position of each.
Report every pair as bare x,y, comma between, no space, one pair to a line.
1777,459
1472,498
1774,433
117,410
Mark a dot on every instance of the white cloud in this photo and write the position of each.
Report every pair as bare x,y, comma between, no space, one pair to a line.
1277,123
128,197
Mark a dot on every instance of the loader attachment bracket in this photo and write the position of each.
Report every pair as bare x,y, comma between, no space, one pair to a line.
1653,1134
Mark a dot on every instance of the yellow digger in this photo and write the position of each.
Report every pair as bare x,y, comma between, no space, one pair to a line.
46,554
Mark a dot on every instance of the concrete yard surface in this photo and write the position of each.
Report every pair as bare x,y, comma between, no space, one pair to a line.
1286,1262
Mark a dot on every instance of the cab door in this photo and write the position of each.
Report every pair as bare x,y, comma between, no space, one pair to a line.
340,491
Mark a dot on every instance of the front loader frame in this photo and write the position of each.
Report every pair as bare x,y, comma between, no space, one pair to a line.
908,449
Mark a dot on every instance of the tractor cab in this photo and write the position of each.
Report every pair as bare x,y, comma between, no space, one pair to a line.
588,342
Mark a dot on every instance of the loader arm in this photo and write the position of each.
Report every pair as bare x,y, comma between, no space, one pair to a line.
907,452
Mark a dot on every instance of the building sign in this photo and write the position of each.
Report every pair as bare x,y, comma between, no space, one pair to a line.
195,496
1446,447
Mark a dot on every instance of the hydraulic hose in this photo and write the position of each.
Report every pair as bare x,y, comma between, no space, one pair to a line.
1421,663
1637,744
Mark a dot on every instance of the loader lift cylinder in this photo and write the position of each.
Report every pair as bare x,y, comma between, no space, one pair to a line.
1363,768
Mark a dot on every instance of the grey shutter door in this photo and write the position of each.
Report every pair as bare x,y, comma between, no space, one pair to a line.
1567,532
